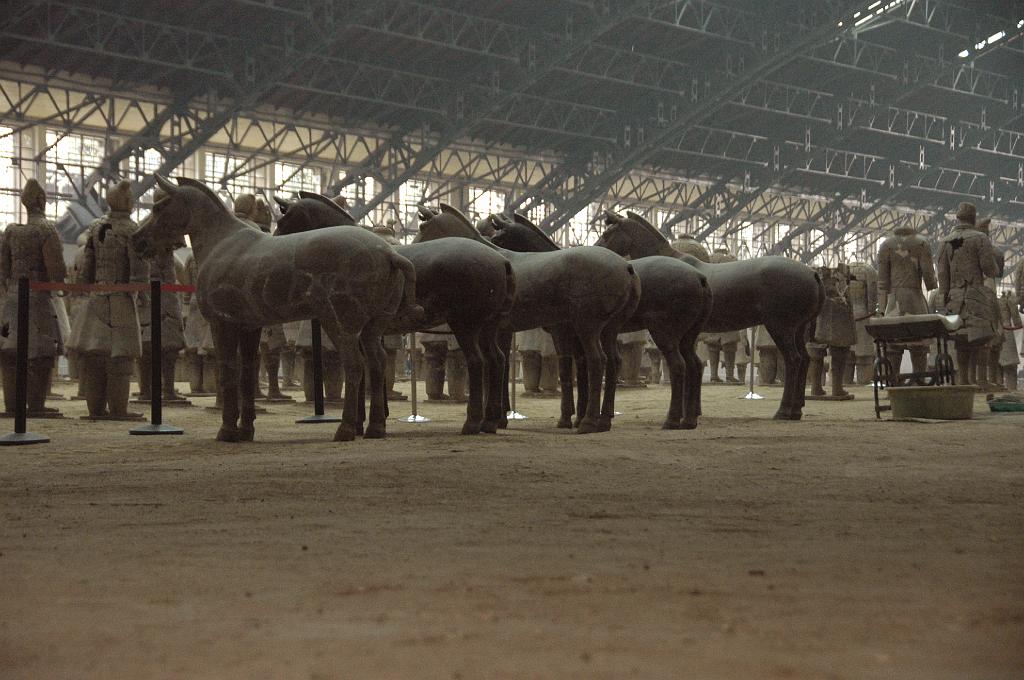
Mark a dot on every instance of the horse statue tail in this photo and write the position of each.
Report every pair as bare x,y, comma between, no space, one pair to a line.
510,290
634,290
708,300
408,309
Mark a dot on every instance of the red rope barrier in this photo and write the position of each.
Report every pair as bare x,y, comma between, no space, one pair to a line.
108,287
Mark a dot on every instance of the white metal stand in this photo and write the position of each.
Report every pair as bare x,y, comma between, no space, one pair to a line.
415,417
752,395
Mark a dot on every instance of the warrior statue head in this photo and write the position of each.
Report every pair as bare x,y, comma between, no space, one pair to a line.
967,213
261,214
984,225
245,205
119,197
33,197
387,231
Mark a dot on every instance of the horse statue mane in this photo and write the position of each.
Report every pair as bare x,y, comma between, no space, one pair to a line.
196,184
647,225
328,201
426,213
521,220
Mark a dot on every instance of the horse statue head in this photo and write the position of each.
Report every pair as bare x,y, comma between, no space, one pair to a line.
521,235
444,222
189,207
310,211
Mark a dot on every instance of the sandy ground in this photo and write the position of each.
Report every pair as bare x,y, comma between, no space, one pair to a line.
836,547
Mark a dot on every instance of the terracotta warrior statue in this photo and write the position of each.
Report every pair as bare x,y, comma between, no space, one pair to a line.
688,245
862,296
904,263
834,332
722,344
109,338
993,379
1009,357
200,358
966,259
540,363
76,303
34,250
631,351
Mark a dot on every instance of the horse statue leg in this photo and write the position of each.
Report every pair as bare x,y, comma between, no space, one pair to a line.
582,381
248,351
791,346
611,373
469,341
590,338
494,364
347,344
668,344
693,376
564,342
225,343
505,347
376,359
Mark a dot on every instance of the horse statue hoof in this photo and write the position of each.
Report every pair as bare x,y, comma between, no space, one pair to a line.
588,426
685,424
345,433
489,427
228,434
604,424
246,434
787,415
672,425
576,423
565,423
375,432
503,424
471,428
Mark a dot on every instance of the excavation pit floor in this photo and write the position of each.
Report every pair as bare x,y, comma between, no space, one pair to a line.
835,547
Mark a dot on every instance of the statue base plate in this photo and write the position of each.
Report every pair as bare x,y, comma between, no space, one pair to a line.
397,397
130,417
828,397
543,394
151,429
165,402
276,400
34,415
317,419
202,394
722,383
217,409
22,438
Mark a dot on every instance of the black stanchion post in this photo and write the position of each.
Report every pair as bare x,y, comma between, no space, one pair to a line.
156,424
20,436
318,380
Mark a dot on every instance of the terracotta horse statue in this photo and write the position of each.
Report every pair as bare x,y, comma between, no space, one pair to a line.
461,283
582,295
782,294
348,278
675,302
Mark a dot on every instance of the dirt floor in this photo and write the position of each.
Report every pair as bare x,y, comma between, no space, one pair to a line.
836,547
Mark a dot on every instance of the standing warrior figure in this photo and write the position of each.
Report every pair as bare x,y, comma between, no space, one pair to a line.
108,340
862,296
1008,355
966,258
722,343
993,379
172,337
904,262
834,332
32,249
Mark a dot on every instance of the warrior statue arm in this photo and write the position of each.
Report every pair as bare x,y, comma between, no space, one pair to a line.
989,260
5,263
53,256
943,272
927,267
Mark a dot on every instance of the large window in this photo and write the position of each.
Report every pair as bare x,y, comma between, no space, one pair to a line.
10,189
292,178
358,193
70,159
140,167
483,202
410,195
220,166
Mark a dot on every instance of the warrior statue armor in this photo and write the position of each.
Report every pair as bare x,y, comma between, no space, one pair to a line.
862,296
834,332
966,259
33,250
109,338
904,262
722,344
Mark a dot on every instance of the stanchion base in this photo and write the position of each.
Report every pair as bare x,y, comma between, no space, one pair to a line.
36,415
20,438
317,419
156,429
218,409
165,402
515,415
752,396
339,403
414,419
131,417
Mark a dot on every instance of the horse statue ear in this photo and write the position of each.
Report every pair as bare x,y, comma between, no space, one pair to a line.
499,221
283,204
166,186
426,213
520,218
320,198
196,184
612,217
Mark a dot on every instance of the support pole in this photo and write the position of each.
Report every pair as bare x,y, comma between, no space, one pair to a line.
156,341
751,394
20,436
318,380
415,417
513,414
